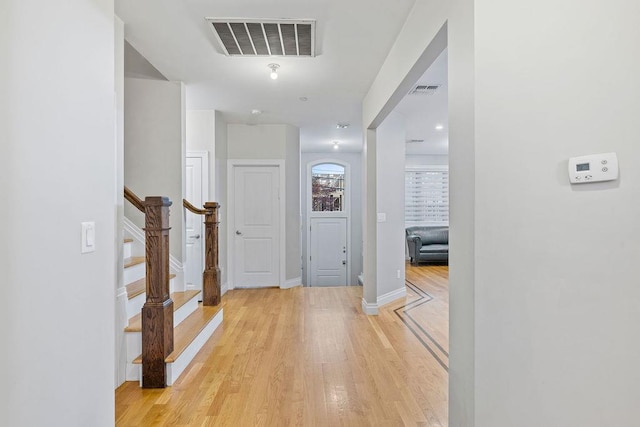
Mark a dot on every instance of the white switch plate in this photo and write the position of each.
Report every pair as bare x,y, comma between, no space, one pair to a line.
88,237
382,217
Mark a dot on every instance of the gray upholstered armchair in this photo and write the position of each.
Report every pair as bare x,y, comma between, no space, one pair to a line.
428,244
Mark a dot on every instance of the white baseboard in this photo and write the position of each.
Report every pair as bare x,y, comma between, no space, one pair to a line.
369,309
292,283
224,288
372,308
392,296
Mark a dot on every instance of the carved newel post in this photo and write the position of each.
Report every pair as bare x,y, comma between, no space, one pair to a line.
211,275
157,312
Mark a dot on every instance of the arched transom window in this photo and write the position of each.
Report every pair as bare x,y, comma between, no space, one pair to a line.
327,188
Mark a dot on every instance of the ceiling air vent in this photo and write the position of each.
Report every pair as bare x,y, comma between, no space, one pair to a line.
259,37
414,141
422,89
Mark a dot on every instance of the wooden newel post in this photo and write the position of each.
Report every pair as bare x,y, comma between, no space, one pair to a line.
157,312
211,275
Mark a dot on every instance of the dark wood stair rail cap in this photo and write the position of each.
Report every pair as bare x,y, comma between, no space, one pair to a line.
211,274
133,199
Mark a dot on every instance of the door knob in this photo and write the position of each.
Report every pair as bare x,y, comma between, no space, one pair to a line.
197,236
238,232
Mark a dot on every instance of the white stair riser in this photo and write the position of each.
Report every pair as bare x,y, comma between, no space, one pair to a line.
126,249
135,272
134,305
134,349
183,312
134,339
175,369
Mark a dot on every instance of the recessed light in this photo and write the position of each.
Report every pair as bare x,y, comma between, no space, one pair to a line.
342,125
439,127
256,112
335,144
303,99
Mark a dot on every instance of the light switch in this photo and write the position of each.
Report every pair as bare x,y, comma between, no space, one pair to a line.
382,217
88,237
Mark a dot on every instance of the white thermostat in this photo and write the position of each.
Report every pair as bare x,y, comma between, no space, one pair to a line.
593,168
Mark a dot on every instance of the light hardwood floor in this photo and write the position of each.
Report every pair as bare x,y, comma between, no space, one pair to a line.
308,356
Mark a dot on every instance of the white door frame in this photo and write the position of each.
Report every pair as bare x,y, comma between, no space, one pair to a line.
231,165
345,214
204,157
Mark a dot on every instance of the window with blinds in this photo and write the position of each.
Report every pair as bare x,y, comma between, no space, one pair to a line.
426,196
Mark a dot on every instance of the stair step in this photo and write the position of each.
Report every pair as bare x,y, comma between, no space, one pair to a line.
140,286
128,240
134,260
179,299
188,330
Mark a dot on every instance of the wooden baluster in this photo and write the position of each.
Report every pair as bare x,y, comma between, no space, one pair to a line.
157,312
211,274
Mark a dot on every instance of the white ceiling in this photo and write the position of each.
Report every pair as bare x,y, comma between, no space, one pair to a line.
424,112
353,38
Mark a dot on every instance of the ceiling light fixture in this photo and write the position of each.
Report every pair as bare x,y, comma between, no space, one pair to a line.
342,125
256,112
303,99
439,127
335,144
274,70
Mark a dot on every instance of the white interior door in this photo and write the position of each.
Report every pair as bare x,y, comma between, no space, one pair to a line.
328,257
194,175
256,226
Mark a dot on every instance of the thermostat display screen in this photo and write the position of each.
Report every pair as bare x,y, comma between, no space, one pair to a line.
582,167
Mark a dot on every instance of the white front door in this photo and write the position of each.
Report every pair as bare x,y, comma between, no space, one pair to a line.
194,226
256,226
328,252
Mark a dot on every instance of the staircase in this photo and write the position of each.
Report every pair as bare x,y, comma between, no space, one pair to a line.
193,323
166,326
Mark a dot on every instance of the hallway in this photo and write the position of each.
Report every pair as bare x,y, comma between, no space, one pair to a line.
308,356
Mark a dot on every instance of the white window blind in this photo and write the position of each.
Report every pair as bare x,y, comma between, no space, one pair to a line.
427,196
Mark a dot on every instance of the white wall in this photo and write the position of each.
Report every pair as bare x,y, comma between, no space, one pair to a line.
293,219
57,145
154,149
138,66
121,319
390,180
201,136
426,160
275,142
563,306
543,290
354,160
220,194
462,220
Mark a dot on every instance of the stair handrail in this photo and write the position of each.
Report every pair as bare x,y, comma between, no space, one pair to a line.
157,311
193,209
133,199
211,292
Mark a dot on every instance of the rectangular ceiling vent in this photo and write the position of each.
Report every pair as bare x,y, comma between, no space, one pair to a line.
259,37
414,141
423,89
